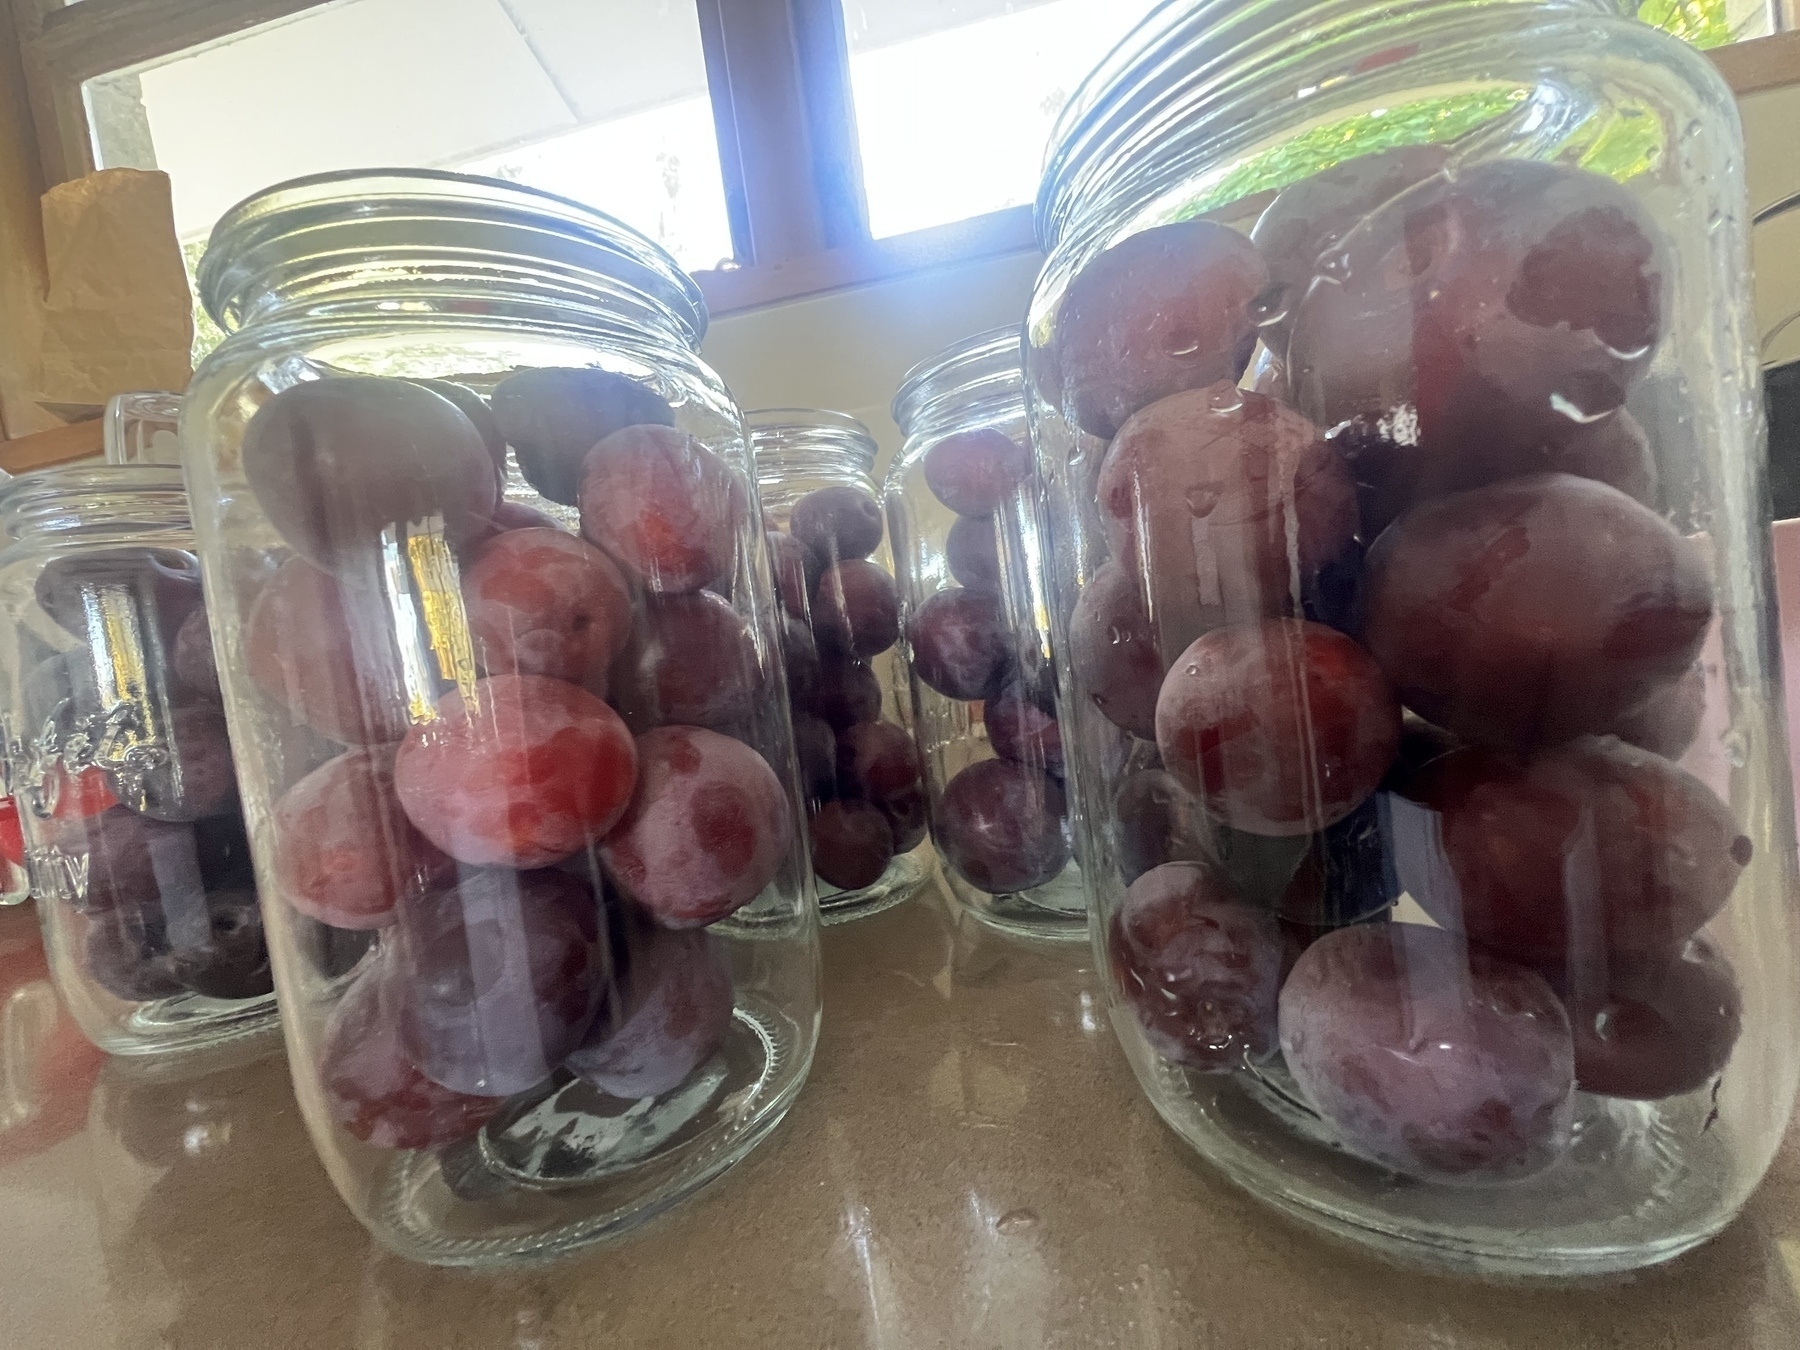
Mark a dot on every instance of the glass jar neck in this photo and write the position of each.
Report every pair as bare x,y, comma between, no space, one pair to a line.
978,380
95,505
398,243
803,448
1194,84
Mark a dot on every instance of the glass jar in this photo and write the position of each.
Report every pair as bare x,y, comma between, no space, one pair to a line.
523,797
142,428
834,576
962,510
1392,387
121,765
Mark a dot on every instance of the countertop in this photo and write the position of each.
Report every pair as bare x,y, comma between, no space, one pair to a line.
971,1165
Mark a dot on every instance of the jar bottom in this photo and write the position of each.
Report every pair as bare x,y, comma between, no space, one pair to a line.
1053,912
552,1176
902,880
1642,1182
187,1024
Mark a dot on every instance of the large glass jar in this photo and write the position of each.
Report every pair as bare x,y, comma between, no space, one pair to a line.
522,794
962,510
1393,391
121,766
834,576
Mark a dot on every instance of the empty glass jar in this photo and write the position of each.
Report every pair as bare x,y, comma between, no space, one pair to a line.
962,510
121,766
1393,392
524,794
834,576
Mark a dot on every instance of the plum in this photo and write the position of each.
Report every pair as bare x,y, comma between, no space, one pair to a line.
1002,826
556,415
1198,968
335,462
543,602
665,1016
664,506
1284,727
1167,309
706,830
521,772
1428,1057
1533,610
345,853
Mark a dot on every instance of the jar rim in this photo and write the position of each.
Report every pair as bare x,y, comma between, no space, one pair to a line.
321,222
81,497
1188,55
804,432
978,359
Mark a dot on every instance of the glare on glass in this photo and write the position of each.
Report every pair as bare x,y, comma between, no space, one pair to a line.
605,103
955,98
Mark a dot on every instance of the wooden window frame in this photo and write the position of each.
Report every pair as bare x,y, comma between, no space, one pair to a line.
778,76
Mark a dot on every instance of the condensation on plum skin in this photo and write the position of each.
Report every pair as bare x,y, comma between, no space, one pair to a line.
1284,727
1511,303
1117,660
1165,310
1224,506
1199,968
1428,1056
1656,1029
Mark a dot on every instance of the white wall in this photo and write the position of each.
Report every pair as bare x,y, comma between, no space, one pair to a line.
848,350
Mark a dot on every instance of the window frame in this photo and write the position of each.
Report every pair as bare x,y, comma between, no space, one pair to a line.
777,74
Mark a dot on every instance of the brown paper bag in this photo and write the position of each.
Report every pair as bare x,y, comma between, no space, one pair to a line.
117,311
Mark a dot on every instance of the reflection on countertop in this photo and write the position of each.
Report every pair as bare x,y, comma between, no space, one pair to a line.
971,1165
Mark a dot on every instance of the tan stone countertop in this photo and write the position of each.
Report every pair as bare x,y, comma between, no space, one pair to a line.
971,1164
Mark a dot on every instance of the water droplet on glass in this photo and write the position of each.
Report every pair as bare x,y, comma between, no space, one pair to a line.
1692,129
1735,750
1336,266
1272,306
1016,1221
1225,400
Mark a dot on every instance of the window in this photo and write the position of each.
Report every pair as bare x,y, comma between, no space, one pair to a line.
776,147
611,111
955,99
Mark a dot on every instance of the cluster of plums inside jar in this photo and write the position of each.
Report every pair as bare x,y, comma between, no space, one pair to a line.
523,758
1000,823
1401,609
134,797
865,797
